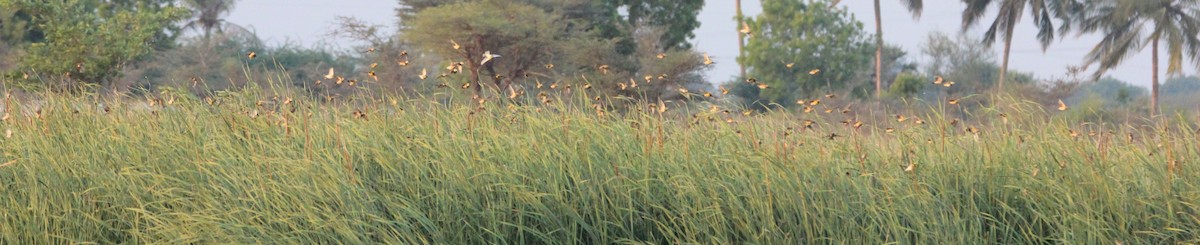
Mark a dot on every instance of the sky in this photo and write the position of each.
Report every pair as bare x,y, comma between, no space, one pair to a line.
306,22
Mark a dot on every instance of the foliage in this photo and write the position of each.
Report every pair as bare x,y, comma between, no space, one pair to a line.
1181,93
907,85
92,41
1181,86
464,32
678,17
966,62
611,19
1115,93
809,35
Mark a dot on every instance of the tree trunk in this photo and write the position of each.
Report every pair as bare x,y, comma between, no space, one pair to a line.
741,37
878,53
1007,48
1154,79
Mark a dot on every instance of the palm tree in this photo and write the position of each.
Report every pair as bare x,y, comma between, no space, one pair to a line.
208,15
1127,25
914,7
1010,12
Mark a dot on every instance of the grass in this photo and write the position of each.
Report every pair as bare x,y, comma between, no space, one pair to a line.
247,168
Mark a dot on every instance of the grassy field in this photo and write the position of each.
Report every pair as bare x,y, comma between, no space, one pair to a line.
259,167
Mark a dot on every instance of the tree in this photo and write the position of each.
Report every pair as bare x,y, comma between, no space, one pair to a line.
522,34
964,61
1117,93
208,15
914,7
609,18
677,16
93,40
799,47
1127,25
1010,12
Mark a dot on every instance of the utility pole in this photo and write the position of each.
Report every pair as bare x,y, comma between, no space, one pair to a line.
741,36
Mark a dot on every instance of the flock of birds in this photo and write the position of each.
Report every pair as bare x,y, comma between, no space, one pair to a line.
488,56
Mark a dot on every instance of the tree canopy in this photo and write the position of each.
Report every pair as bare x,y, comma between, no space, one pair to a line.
799,49
93,40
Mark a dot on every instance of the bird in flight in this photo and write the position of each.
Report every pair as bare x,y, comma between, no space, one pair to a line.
488,56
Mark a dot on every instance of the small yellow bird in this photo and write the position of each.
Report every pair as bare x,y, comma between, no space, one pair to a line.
763,86
790,65
724,91
814,72
454,44
745,29
1062,106
953,101
661,56
707,60
251,55
424,74
938,80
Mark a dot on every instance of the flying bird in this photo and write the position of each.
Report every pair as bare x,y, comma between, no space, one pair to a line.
488,56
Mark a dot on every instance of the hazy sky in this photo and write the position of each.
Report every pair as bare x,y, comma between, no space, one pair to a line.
305,22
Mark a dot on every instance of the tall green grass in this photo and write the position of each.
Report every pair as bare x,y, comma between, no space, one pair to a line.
250,168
